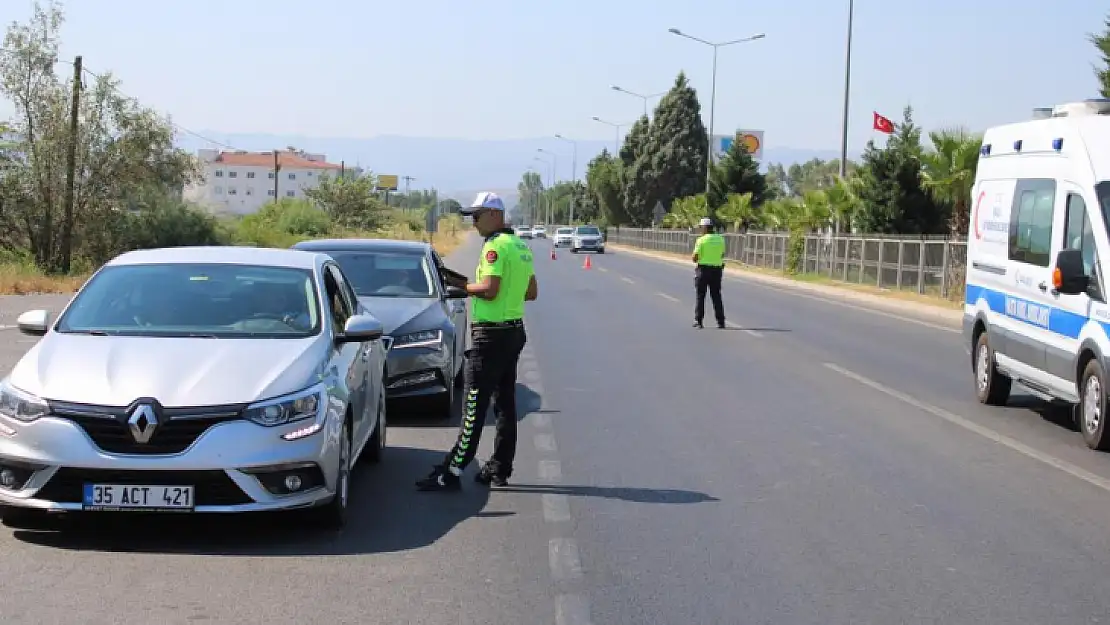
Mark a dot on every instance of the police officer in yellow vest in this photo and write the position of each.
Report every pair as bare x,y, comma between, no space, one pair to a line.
503,281
709,261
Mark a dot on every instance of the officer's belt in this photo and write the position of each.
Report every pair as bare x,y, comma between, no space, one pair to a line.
491,325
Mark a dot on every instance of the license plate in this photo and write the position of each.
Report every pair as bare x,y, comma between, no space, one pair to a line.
138,498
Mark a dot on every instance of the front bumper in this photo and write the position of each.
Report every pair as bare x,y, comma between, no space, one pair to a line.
563,242
229,466
418,372
589,245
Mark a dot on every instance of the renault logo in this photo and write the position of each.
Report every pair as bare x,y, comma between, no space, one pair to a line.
142,423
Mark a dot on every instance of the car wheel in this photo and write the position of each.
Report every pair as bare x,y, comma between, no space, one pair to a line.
375,447
991,386
1092,406
601,250
333,515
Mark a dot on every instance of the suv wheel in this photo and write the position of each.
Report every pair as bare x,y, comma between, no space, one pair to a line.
991,386
1092,406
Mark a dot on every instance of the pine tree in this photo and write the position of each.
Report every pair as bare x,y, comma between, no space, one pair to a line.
737,172
1102,42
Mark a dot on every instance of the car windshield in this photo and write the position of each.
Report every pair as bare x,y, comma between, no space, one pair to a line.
588,230
196,300
565,231
387,274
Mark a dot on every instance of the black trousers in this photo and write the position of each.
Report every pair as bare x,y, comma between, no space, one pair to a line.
490,374
708,278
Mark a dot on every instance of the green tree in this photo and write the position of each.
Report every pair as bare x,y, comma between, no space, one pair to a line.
605,187
949,173
350,202
123,150
737,172
672,163
890,189
530,189
1101,41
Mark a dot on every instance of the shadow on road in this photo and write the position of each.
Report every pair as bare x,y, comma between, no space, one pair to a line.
387,515
749,329
1056,413
633,495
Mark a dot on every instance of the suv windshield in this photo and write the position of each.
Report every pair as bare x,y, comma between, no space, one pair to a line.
387,274
565,231
196,300
588,230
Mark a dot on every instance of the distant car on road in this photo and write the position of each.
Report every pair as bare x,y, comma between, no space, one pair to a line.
564,237
424,321
539,232
524,232
587,238
208,379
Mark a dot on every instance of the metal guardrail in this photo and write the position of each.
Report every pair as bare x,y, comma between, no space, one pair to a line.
932,266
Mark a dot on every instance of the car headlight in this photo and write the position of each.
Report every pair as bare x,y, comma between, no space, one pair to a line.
307,404
20,405
424,338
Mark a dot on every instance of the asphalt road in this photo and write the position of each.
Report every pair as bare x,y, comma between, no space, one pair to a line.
813,464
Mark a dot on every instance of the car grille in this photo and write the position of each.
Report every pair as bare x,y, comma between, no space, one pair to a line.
107,427
213,488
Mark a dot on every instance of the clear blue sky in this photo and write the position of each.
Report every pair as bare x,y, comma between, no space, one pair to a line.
496,69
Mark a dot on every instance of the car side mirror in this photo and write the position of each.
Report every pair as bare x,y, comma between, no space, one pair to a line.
34,322
1069,276
454,292
360,328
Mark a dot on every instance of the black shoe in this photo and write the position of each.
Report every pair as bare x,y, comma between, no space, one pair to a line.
490,475
697,324
721,325
440,479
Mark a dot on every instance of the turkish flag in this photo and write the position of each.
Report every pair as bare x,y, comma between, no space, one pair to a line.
883,124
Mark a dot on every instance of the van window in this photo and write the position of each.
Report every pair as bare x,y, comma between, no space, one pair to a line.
1078,233
1031,222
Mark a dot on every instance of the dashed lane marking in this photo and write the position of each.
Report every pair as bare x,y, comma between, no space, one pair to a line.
562,556
753,333
628,280
545,442
669,297
571,610
983,431
556,508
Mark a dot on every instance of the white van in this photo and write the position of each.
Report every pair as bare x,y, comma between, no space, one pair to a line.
1036,307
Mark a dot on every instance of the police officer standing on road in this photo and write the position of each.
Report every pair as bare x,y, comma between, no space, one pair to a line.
709,261
504,280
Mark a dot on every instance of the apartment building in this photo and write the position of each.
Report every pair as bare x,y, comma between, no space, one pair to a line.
239,182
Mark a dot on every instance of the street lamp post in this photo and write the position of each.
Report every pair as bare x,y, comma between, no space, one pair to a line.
847,94
616,134
713,90
642,96
573,173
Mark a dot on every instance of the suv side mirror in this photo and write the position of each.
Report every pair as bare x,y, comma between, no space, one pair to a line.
454,292
1069,277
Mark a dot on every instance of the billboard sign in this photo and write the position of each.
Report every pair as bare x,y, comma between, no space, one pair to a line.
387,182
753,140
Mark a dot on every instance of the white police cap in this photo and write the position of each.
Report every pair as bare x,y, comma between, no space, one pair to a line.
486,200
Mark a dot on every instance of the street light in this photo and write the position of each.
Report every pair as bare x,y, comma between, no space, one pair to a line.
713,91
639,95
573,172
847,92
616,134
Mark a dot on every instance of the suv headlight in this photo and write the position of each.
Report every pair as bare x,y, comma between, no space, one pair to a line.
425,338
20,405
307,404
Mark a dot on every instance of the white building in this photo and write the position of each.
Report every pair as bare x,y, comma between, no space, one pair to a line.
239,183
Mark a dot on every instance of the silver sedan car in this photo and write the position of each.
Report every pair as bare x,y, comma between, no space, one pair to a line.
222,379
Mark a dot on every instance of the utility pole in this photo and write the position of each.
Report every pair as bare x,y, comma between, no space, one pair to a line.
408,199
71,169
277,168
847,101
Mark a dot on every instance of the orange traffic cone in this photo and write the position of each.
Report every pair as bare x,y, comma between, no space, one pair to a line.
587,264
552,253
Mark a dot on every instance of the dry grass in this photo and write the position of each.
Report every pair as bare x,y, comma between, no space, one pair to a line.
26,279
902,295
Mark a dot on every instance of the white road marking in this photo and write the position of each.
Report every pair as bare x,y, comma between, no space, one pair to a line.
753,333
983,431
550,471
669,297
545,442
562,556
572,610
556,508
541,420
602,269
628,280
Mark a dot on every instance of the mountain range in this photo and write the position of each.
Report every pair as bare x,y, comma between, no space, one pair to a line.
458,168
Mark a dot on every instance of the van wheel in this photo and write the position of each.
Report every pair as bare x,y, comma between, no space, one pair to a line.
991,386
1092,407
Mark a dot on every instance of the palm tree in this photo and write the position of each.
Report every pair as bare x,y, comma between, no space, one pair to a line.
738,211
948,172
